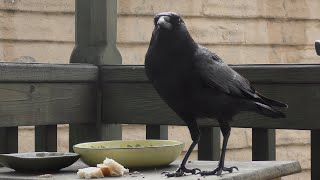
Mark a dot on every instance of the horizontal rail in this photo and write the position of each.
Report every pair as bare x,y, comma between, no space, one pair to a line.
40,72
259,73
134,100
31,104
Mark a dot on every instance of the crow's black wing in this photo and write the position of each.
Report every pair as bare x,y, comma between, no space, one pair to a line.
218,75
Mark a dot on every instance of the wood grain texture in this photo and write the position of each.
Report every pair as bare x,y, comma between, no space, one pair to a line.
260,73
139,103
46,138
46,103
40,72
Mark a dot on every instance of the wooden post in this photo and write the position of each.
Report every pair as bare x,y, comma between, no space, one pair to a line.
209,145
263,144
96,30
315,156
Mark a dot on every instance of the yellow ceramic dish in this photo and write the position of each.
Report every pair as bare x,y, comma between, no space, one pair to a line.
132,153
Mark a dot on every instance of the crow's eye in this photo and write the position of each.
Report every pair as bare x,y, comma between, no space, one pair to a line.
177,20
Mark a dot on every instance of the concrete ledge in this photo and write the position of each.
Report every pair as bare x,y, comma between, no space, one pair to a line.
256,170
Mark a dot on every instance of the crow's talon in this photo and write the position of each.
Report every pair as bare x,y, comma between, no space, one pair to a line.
217,171
230,169
181,172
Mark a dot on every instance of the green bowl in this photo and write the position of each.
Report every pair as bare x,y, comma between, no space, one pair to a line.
132,153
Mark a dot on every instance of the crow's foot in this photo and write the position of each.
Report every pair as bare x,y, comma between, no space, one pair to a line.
217,171
181,172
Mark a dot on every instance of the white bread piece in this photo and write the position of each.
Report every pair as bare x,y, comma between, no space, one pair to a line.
112,168
105,170
90,172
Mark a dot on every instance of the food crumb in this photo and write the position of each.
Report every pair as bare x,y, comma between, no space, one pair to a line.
136,172
46,176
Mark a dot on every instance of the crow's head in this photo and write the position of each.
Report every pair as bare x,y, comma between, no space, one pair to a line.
170,33
168,21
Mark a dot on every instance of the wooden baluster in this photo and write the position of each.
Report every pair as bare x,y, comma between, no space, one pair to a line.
157,132
315,154
46,138
8,140
317,47
209,145
263,144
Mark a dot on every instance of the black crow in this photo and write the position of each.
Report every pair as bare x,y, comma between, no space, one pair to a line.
196,83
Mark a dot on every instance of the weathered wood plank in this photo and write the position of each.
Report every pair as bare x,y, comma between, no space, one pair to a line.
24,104
259,73
139,103
46,138
263,144
9,140
40,72
157,132
315,155
209,145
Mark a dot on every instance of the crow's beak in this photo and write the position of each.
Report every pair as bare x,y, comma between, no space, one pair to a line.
164,22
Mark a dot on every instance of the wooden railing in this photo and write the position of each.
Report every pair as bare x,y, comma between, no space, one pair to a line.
44,95
95,99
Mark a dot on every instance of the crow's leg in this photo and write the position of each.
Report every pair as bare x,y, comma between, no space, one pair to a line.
225,129
195,135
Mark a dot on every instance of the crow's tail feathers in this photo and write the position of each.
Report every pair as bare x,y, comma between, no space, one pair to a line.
269,111
271,102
